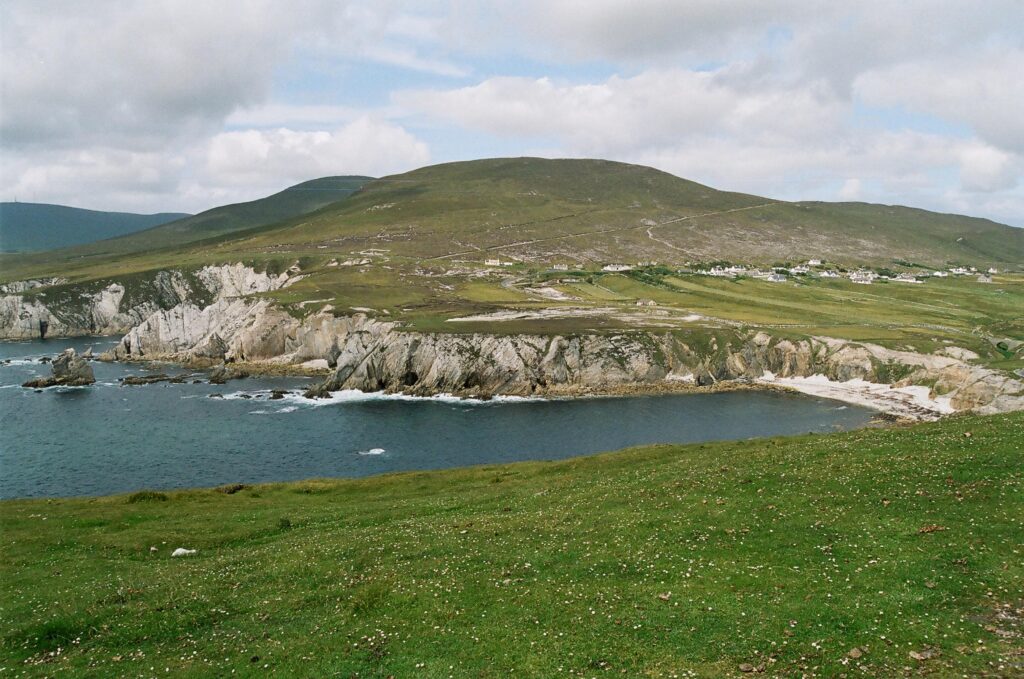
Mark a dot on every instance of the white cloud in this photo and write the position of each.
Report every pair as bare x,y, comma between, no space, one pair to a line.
851,190
982,90
262,157
983,168
170,103
628,114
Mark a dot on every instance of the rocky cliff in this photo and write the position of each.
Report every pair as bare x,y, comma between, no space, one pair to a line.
211,315
373,355
61,309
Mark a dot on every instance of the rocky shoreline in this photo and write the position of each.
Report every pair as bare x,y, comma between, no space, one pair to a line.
230,326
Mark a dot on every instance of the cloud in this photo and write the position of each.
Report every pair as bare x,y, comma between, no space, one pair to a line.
139,74
262,157
170,103
982,90
627,114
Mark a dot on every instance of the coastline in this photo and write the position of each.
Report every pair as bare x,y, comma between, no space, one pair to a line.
896,404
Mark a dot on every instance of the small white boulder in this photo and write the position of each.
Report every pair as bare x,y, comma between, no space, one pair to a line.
181,551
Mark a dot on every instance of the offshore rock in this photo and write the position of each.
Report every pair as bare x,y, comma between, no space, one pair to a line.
68,370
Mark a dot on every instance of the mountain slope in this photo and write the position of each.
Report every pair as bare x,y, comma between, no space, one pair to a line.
592,211
536,211
41,226
216,222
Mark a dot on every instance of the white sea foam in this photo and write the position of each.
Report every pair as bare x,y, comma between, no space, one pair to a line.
372,451
355,396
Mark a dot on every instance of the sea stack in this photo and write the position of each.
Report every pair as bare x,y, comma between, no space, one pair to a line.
69,369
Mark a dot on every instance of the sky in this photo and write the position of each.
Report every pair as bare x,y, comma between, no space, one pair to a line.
175,105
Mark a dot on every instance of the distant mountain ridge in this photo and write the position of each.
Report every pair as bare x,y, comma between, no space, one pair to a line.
539,211
28,227
219,221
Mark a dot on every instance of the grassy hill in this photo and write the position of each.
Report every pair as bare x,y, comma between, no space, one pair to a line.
593,211
217,222
412,247
25,227
874,553
534,210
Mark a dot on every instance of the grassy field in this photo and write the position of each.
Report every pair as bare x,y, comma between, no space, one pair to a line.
885,552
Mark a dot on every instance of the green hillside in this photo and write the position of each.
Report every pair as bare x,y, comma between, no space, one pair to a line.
587,212
596,211
217,222
413,248
25,227
880,553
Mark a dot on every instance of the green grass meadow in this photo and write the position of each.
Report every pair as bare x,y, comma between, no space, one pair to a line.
780,556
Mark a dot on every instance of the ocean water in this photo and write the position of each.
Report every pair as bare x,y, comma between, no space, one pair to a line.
108,438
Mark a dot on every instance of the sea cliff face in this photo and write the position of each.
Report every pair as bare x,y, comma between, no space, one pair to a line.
115,307
212,316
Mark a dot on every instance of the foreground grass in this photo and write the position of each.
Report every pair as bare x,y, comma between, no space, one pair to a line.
780,555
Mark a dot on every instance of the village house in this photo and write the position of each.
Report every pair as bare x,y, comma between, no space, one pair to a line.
862,277
616,267
906,278
993,270
829,274
775,278
940,274
982,278
560,267
814,262
492,262
960,271
646,302
799,269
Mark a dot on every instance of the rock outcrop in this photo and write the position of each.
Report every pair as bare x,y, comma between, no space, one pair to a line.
30,309
69,370
373,355
212,317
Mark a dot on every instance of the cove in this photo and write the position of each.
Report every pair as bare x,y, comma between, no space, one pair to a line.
107,438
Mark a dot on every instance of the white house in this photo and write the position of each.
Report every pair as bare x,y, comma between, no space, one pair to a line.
940,274
960,271
492,262
829,274
982,278
646,302
993,270
616,267
560,267
813,262
862,277
799,269
775,278
906,278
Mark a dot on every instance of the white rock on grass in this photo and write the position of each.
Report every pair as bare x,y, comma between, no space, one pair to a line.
181,551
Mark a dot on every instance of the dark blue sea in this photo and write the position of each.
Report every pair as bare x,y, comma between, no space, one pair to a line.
108,438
